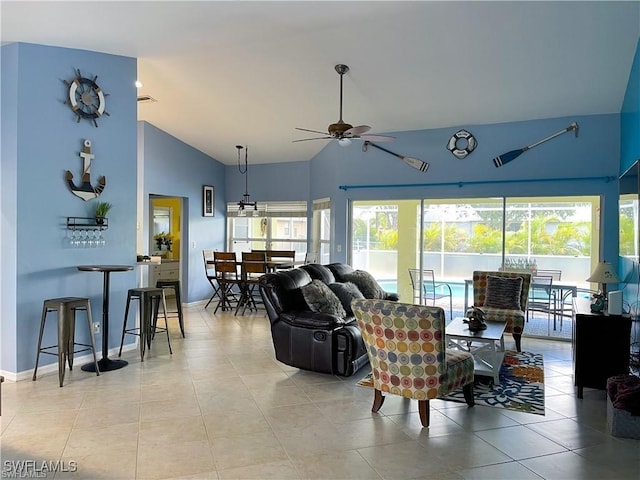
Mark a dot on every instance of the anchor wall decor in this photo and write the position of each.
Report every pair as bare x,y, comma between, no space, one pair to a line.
86,191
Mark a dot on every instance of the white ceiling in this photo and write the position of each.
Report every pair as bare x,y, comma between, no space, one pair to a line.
235,72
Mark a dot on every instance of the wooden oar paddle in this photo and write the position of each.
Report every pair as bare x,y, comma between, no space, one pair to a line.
513,154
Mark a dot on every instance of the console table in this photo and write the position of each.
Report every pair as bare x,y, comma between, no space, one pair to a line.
601,345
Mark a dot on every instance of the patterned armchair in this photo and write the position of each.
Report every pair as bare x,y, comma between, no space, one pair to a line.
406,347
503,300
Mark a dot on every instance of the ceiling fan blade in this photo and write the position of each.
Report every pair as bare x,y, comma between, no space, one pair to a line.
378,138
356,131
307,139
312,131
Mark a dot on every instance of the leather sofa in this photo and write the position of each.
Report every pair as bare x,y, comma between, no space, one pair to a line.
312,340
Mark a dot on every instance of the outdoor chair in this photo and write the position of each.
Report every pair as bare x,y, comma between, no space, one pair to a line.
542,297
431,290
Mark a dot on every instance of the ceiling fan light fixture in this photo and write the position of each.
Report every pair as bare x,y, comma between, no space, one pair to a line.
344,142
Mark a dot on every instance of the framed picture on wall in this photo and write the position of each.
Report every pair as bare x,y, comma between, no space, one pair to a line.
208,200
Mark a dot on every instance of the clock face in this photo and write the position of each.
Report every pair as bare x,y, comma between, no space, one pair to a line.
86,98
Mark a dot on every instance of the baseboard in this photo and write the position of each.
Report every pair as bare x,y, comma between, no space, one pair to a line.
53,367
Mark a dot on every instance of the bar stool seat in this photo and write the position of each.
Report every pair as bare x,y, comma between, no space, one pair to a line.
175,285
149,299
66,308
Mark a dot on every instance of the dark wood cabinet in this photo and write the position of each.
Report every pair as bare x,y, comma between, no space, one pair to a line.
601,345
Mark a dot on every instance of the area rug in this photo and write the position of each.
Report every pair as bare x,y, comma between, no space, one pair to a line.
521,385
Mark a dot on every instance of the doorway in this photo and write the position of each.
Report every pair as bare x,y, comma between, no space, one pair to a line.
165,236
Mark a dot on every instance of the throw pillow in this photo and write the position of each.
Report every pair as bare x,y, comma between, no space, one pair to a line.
321,299
346,292
366,284
503,292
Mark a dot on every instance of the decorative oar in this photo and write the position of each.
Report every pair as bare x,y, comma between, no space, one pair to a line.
513,154
412,162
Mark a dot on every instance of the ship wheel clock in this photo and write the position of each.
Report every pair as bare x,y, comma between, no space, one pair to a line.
86,98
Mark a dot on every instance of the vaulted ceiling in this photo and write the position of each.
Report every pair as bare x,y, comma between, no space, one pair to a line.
237,72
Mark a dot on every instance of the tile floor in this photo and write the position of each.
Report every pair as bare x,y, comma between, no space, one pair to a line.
222,407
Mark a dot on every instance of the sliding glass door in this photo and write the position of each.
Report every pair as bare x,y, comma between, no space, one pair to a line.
455,237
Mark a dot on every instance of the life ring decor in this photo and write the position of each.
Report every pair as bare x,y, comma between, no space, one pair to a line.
462,143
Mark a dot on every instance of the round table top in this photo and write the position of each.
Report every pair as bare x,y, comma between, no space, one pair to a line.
104,268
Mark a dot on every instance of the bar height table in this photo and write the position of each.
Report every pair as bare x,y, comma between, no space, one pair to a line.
105,364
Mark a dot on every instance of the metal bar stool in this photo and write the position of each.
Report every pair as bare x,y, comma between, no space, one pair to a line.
175,285
149,299
66,308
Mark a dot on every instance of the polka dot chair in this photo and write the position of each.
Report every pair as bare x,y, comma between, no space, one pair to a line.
408,355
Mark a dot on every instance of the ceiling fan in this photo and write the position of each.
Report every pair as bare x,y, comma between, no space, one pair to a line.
341,131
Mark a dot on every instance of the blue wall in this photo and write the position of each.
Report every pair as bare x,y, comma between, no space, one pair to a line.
43,141
629,270
630,117
591,161
173,168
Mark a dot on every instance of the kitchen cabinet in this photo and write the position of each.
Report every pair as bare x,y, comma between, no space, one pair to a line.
166,270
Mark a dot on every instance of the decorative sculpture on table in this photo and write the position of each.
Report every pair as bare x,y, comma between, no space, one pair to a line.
476,319
86,191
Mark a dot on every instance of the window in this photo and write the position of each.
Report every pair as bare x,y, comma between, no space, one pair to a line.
274,226
321,235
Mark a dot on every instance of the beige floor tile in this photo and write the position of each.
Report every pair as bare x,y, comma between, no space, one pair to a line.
158,409
282,470
107,464
404,460
342,464
187,458
246,450
108,415
226,425
520,442
172,430
87,441
501,471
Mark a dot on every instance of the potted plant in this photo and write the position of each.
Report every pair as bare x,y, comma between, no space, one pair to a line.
102,208
163,240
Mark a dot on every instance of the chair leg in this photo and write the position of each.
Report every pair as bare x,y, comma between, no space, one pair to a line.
517,337
44,316
423,410
166,321
467,390
378,400
91,338
124,324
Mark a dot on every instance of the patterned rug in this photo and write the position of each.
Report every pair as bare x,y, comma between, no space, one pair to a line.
521,385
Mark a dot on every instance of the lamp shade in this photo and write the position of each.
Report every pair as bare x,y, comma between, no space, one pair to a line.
603,274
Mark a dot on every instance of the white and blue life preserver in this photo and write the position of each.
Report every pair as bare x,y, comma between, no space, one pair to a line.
462,143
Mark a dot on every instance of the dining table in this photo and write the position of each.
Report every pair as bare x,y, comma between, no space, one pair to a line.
105,364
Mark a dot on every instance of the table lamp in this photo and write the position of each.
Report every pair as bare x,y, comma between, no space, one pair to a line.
602,275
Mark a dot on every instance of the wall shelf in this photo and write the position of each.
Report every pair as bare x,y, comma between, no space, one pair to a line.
84,223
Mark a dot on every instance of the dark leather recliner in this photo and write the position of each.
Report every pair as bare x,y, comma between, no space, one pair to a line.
319,342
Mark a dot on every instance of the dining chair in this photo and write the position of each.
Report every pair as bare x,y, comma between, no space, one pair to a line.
407,350
252,267
310,257
281,259
430,289
226,268
210,272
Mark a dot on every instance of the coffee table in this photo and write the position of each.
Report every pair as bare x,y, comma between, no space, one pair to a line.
486,346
